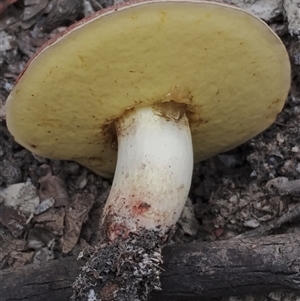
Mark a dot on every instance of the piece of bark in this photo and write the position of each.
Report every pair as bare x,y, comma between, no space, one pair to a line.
231,267
196,271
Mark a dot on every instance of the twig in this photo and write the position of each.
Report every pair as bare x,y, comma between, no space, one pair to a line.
273,224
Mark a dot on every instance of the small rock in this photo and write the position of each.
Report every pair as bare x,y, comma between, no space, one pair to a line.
21,196
44,254
292,12
252,223
219,232
72,168
6,41
39,158
44,205
264,9
10,172
230,160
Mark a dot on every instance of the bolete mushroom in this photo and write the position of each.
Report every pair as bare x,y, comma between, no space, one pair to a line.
142,91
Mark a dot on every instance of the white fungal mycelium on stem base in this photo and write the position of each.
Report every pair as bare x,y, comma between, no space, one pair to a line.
154,170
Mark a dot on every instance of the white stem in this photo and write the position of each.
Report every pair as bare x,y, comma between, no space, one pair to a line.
153,173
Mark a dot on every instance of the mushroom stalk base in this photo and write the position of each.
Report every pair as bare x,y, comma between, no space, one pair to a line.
153,173
122,270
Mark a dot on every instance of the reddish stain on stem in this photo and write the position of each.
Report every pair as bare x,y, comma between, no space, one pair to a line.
140,208
116,230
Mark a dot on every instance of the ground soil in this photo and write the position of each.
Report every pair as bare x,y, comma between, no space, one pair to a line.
231,194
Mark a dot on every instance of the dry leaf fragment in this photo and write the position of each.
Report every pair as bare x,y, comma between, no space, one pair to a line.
76,215
53,187
19,259
12,220
53,219
39,238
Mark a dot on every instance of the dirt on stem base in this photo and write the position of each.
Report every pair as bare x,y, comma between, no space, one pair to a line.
122,270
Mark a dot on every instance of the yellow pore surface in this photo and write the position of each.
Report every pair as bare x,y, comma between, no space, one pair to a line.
228,66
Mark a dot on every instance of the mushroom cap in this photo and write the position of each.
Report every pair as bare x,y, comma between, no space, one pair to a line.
227,66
